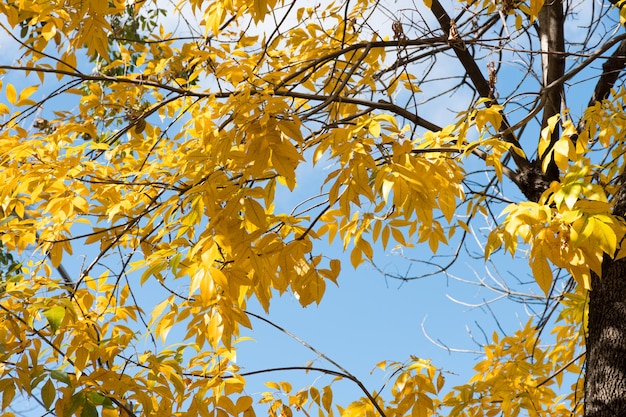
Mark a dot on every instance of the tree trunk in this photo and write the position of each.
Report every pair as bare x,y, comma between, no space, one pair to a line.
605,373
605,379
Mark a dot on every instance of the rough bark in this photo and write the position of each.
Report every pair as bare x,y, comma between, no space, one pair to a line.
605,379
605,373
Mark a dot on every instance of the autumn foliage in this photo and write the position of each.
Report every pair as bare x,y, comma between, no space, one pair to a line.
136,153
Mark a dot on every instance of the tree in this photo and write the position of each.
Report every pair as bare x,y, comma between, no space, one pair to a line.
159,154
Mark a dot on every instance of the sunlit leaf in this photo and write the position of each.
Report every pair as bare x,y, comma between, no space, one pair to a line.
55,317
11,93
542,273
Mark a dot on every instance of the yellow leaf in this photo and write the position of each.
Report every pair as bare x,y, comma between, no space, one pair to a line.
491,115
109,412
362,408
563,152
219,278
80,361
11,94
285,158
8,393
56,254
542,273
391,88
214,16
408,85
327,398
335,266
156,311
356,257
291,129
440,381
366,248
260,9
385,236
153,270
24,94
48,31
386,189
447,204
374,129
286,387
546,134
604,235
376,230
464,226
586,231
272,385
81,204
535,7
254,215
243,404
398,236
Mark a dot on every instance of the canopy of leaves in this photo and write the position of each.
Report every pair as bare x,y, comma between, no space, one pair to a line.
147,153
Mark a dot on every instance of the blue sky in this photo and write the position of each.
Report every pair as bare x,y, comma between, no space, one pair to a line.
369,318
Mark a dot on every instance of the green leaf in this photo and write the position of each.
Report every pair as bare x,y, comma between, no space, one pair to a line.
99,399
89,410
8,394
48,394
55,316
77,401
60,376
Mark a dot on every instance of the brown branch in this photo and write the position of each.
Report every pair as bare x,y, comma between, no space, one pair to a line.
30,48
476,76
362,387
337,89
361,45
105,78
591,58
561,369
611,70
378,105
551,20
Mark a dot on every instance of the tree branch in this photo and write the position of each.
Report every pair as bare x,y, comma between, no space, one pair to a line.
478,80
552,42
611,70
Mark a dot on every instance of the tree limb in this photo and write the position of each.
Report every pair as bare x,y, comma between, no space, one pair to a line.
552,42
